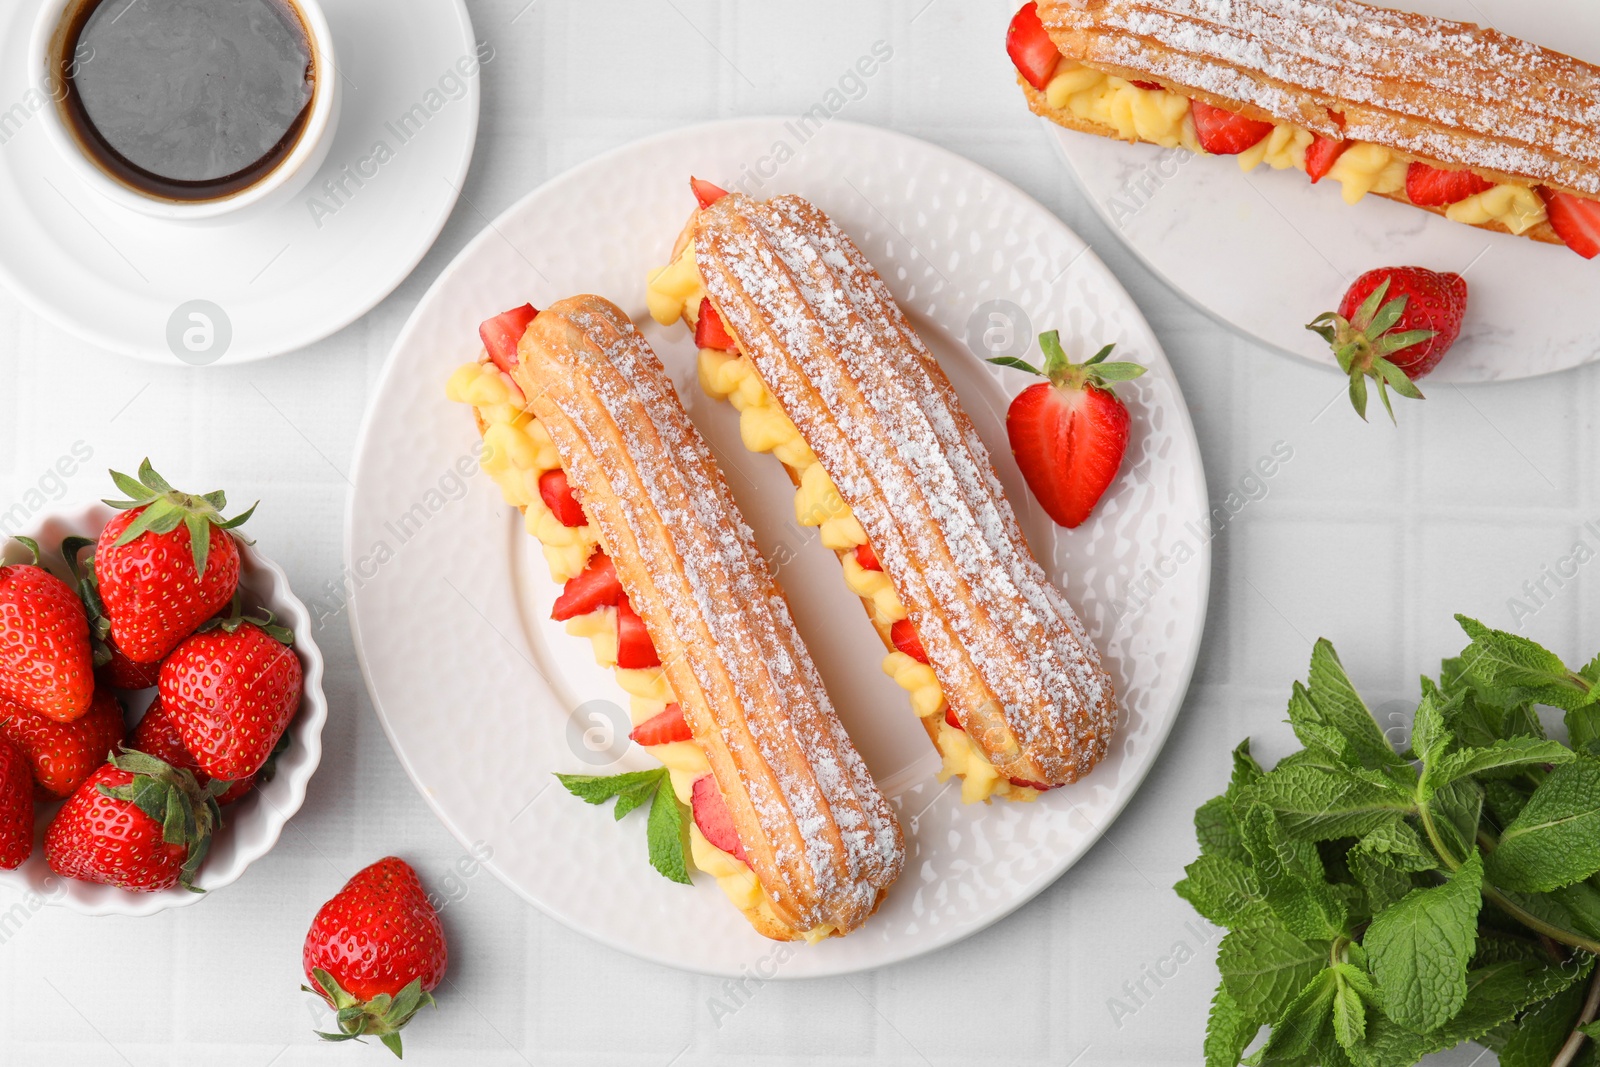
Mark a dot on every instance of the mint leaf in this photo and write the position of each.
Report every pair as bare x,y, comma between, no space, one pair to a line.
1504,801
1420,947
1583,728
1539,1034
1329,713
1221,889
1218,830
1305,1023
1581,902
1457,810
1384,861
1349,1009
1246,771
597,789
1320,804
1228,1031
1555,840
665,829
1264,966
1504,663
1429,732
1502,755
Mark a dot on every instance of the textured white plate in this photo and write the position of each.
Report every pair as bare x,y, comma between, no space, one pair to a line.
251,825
483,698
271,279
1266,252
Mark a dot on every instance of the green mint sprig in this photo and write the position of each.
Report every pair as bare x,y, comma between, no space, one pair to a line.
1385,904
665,825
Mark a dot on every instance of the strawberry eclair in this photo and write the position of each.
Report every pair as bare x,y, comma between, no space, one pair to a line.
585,433
797,330
1453,118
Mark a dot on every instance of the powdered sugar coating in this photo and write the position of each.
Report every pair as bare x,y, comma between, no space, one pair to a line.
831,345
1441,90
820,836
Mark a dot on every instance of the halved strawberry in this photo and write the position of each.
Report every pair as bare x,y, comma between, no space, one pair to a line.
866,559
597,587
1576,220
1150,86
1069,433
1226,133
501,334
709,331
1040,786
557,494
905,638
1321,155
950,717
706,193
1030,47
635,650
1432,187
663,729
712,816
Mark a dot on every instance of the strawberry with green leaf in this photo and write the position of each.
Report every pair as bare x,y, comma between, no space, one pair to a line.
137,824
375,953
63,755
1069,433
165,565
1394,325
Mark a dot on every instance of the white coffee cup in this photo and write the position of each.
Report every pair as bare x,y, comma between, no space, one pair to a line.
48,48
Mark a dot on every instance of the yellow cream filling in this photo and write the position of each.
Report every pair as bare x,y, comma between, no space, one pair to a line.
1163,118
674,292
517,450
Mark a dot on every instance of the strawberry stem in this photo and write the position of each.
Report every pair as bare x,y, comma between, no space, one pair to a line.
165,509
1061,371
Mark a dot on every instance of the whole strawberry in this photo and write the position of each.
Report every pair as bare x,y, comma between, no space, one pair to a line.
46,664
63,755
157,736
230,692
16,807
1394,325
165,565
137,824
112,666
1069,434
375,952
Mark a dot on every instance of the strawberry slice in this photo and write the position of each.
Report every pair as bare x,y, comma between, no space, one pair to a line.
1321,155
1040,786
1431,187
1226,133
709,331
905,638
501,334
866,559
597,587
1030,47
557,494
663,729
715,821
1150,86
950,717
635,650
1576,220
1069,433
706,193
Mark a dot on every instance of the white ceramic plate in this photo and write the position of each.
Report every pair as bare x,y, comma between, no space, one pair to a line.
1266,252
483,698
252,824
268,280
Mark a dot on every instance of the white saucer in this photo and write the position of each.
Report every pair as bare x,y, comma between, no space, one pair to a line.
483,697
263,282
1266,252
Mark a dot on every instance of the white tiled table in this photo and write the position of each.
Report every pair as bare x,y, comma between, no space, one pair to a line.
1370,536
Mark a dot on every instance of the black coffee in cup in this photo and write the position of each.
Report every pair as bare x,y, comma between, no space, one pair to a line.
187,100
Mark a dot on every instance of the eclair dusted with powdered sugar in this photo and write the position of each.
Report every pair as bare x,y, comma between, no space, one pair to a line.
1460,120
799,332
660,570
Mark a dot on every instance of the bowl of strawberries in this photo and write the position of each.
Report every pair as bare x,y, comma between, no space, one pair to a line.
161,704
